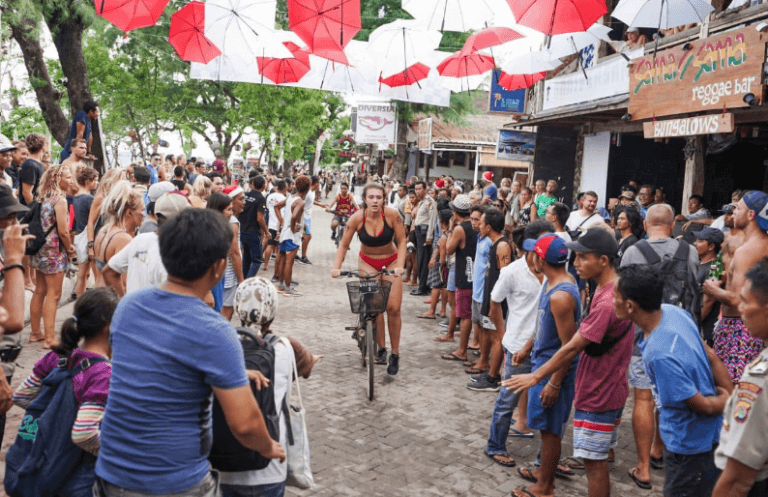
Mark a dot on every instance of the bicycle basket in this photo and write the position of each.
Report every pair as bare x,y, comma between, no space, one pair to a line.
362,303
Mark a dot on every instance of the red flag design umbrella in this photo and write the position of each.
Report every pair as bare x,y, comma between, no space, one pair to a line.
187,34
128,15
288,70
553,17
489,37
326,26
518,81
460,66
413,74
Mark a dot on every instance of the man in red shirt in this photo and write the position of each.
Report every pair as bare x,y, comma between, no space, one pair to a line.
605,345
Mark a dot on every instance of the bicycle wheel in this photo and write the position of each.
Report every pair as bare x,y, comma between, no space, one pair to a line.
370,340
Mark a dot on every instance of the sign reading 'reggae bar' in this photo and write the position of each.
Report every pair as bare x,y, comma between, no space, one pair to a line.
714,73
690,126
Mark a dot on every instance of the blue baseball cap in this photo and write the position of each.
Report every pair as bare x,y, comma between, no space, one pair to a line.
549,247
758,202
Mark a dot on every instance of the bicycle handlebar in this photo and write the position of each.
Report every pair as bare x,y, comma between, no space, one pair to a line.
366,276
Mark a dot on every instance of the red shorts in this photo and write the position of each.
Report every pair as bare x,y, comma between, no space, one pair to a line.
378,264
464,303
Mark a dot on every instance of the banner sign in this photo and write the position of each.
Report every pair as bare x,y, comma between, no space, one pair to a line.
347,146
376,123
700,125
425,134
607,79
713,73
515,145
505,101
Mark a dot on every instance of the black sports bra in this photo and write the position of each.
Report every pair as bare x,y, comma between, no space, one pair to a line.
384,238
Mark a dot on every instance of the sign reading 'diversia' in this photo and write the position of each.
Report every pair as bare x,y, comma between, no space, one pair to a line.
714,73
376,123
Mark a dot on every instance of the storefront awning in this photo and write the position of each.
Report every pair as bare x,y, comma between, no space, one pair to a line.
604,110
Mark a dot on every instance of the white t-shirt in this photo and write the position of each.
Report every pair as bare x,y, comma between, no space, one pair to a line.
309,201
272,200
287,233
140,261
521,288
276,472
575,219
230,278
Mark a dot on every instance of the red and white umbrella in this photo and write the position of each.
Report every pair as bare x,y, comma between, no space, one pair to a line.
187,34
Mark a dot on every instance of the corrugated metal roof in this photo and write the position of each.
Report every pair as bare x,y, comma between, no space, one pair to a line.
482,129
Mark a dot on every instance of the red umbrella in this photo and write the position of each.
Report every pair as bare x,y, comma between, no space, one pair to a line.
128,15
288,70
413,74
326,26
489,37
187,34
553,17
459,65
518,81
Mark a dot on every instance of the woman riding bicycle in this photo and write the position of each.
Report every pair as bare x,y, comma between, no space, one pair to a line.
385,249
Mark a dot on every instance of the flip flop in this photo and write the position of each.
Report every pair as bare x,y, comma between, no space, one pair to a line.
472,348
441,316
513,432
527,475
645,485
452,357
572,463
474,370
508,464
562,472
423,316
657,462
526,492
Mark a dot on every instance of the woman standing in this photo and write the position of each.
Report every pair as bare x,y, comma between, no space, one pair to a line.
629,228
221,203
95,221
382,246
201,190
87,180
52,258
526,201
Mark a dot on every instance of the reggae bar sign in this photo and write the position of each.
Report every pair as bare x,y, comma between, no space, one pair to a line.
714,73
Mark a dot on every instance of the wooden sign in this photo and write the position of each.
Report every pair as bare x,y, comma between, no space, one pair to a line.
691,126
714,73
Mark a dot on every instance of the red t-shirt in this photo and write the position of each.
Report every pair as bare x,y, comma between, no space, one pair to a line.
601,382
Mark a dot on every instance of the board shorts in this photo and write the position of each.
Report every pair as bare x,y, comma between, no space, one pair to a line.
464,303
735,346
288,246
595,433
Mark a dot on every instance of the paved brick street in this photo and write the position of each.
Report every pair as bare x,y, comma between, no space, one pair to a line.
425,432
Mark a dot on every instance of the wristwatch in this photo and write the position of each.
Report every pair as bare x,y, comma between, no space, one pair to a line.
90,244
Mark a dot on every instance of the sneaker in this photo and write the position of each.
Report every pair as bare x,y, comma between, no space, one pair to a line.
381,356
291,292
477,377
294,283
393,367
275,279
333,236
444,323
485,384
303,260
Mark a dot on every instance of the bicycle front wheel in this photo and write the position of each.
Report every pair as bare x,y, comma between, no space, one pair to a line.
370,339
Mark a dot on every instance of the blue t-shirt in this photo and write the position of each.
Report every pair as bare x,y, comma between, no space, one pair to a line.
152,174
168,350
80,117
546,341
678,367
492,192
481,264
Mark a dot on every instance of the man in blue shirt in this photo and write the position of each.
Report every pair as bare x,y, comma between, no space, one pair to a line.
170,352
690,384
81,128
154,163
490,191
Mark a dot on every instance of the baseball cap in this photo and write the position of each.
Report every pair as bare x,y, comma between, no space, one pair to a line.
595,240
488,176
159,189
171,204
627,194
727,208
758,202
6,145
712,235
549,247
461,204
8,203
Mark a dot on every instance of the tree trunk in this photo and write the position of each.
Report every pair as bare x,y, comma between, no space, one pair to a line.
47,96
68,39
400,163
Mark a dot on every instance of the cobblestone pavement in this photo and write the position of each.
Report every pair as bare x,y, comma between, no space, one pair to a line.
425,432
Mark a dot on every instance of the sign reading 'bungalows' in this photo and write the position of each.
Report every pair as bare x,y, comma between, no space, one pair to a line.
714,73
691,126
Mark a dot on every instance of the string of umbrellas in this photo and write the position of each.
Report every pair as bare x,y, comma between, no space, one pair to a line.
236,40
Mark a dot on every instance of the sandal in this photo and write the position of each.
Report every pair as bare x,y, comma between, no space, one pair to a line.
572,463
563,470
510,463
525,491
424,316
513,432
645,485
474,370
657,462
452,357
527,474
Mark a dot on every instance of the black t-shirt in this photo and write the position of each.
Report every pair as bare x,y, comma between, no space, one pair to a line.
82,205
249,221
30,173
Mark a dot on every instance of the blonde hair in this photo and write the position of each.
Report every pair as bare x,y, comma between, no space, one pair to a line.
109,179
121,198
50,183
202,187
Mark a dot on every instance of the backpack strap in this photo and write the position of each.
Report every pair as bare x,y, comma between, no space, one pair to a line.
85,364
681,254
650,255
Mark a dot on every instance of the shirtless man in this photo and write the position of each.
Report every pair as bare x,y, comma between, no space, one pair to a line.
733,344
79,154
733,239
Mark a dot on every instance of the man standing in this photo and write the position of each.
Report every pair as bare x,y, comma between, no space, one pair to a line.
733,344
424,227
604,346
548,198
490,192
513,212
78,155
290,237
708,242
275,222
170,352
81,128
6,157
585,217
32,169
645,197
154,163
19,156
253,225
309,202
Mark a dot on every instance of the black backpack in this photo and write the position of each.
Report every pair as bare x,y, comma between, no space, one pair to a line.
35,227
226,453
680,285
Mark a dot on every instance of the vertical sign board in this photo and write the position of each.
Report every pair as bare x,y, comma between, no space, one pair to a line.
376,123
505,101
425,134
708,74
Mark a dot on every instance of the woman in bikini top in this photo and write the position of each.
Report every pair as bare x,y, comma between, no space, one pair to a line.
123,210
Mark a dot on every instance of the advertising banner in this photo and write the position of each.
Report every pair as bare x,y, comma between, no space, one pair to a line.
376,123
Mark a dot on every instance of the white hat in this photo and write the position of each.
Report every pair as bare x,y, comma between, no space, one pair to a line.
159,189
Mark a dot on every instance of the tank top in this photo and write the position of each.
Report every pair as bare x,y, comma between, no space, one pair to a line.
384,238
491,276
344,205
546,341
465,257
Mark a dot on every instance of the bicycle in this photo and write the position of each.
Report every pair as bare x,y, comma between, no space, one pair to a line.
367,298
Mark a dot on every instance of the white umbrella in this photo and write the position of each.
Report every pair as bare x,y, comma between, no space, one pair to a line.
661,14
530,63
244,27
358,77
450,15
569,43
400,44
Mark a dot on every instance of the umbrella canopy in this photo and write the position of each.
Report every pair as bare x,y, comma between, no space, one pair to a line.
461,66
358,77
128,15
400,44
450,15
661,14
518,81
411,75
244,28
285,70
326,26
489,37
529,63
553,17
187,34
570,43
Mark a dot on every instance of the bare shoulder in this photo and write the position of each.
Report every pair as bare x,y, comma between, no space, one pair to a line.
392,216
355,219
